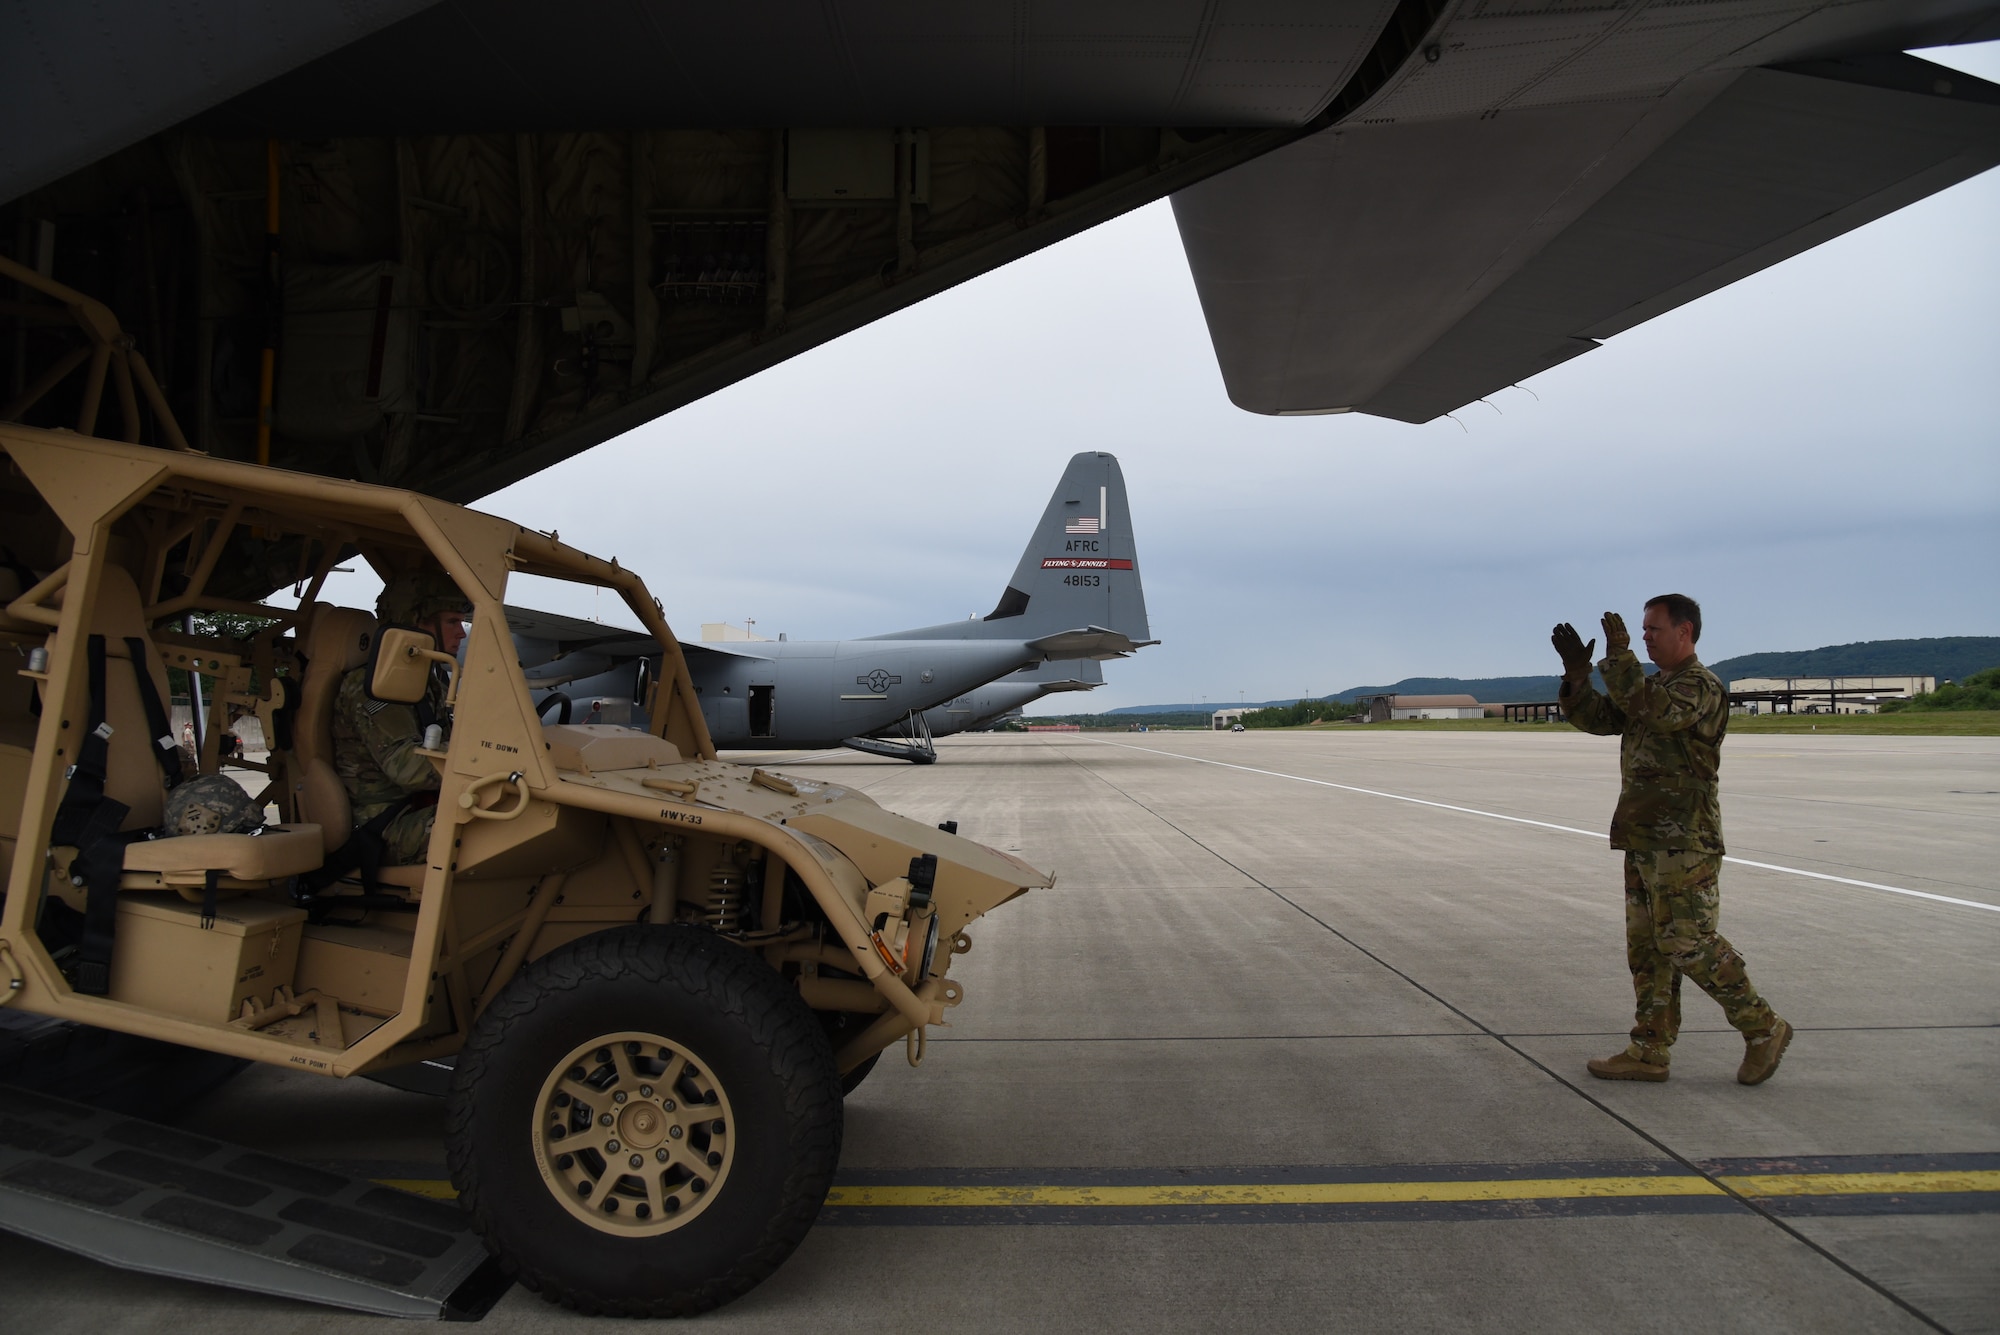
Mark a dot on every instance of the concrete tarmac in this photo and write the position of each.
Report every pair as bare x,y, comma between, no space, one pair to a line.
1297,1041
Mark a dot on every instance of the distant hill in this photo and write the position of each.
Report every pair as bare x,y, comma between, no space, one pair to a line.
1953,657
1483,689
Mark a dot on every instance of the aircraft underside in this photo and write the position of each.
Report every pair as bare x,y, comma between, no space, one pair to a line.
444,247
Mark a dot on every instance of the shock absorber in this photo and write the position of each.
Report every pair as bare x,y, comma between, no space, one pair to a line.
725,896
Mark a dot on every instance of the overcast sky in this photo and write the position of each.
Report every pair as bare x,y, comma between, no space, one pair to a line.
1810,452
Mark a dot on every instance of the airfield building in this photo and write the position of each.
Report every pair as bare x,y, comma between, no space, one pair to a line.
1384,708
1825,695
722,632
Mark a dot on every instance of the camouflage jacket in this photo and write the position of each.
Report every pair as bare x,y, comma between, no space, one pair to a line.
1672,726
375,745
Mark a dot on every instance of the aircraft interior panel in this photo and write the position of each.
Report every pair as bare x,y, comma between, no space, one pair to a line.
479,239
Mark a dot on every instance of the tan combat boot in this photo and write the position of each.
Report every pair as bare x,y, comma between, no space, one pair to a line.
1760,1055
1622,1066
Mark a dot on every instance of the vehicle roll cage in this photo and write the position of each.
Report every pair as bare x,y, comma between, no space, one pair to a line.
137,504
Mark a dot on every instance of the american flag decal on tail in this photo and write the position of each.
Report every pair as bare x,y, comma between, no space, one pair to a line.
1093,523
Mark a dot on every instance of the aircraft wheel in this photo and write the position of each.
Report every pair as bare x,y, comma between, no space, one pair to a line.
645,1122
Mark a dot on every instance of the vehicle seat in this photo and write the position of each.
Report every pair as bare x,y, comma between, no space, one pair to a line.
11,587
338,640
132,774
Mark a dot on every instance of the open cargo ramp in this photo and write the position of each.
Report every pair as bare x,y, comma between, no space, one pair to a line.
141,1196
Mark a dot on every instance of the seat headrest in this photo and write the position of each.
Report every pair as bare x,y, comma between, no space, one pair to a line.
340,637
11,588
118,612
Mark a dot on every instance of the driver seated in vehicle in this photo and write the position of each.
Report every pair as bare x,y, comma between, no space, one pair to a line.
392,789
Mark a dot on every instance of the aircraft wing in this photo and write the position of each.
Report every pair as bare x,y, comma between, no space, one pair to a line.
573,633
1414,258
562,644
700,647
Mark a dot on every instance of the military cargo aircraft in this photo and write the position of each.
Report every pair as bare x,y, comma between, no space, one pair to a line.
1075,595
443,246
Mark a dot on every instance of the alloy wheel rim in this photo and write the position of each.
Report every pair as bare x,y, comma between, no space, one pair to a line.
633,1134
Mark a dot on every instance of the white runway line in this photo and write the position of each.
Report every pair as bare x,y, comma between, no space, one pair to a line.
1541,824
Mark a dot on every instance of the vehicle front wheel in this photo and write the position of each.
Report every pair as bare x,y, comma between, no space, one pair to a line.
839,1027
645,1122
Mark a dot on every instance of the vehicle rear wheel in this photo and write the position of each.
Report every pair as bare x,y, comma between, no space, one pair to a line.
645,1122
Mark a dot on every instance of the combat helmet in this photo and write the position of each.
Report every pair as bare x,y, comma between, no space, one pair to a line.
414,596
211,804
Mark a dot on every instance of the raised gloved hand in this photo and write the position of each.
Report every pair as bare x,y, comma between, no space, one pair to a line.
1616,638
1575,653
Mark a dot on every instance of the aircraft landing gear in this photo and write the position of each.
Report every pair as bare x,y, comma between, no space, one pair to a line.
909,740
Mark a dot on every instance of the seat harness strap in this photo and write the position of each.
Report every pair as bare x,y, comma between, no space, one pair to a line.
86,773
88,821
169,753
364,848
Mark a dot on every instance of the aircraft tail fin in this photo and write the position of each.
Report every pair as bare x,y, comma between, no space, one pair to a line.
1077,585
1076,592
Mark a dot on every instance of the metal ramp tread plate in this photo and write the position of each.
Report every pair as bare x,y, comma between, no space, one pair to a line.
141,1196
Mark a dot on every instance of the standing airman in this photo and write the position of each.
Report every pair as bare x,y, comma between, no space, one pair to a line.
1669,824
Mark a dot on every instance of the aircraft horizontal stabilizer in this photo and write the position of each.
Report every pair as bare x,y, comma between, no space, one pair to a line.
1088,642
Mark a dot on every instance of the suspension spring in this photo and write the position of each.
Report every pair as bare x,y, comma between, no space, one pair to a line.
725,897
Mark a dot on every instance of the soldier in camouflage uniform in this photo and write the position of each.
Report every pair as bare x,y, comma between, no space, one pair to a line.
375,741
1669,824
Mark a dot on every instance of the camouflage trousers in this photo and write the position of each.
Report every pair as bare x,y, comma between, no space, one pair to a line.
405,839
1672,904
408,837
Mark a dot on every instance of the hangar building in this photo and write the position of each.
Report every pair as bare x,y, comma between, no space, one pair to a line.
1383,708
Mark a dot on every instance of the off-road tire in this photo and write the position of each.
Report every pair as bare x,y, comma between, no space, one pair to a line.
852,1080
757,1041
840,1026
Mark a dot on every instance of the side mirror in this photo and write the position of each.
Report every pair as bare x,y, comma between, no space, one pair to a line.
402,667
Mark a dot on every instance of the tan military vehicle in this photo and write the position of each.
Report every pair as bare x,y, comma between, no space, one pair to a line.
655,970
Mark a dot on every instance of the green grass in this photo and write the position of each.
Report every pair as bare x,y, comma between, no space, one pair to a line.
1924,723
1940,723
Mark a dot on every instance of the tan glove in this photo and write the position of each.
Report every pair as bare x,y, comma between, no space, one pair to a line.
1575,653
1616,638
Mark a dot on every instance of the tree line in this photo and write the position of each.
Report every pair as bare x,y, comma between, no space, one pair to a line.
1981,690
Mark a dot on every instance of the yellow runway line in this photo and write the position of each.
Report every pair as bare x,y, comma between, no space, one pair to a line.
1863,1184
1280,1193
1373,1193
